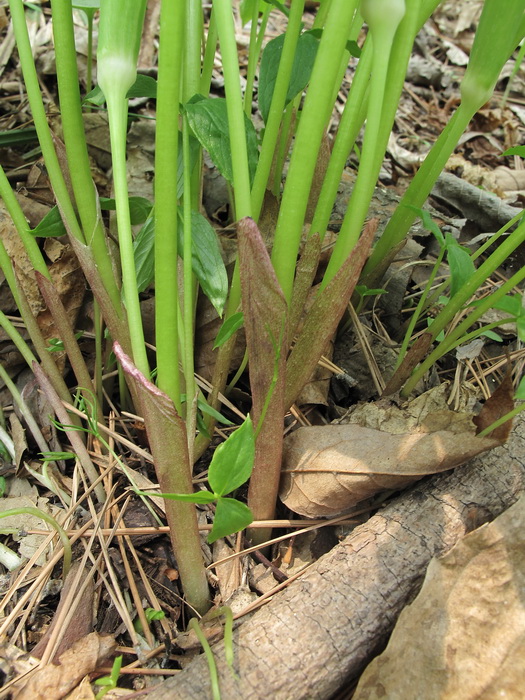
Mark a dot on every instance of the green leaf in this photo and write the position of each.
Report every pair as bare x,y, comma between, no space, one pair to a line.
152,614
228,328
515,151
247,7
512,304
460,264
208,119
2,485
206,259
363,291
144,86
207,263
520,391
230,516
95,97
301,71
492,335
197,497
428,223
279,6
86,4
17,137
144,253
209,410
232,461
57,455
139,208
50,226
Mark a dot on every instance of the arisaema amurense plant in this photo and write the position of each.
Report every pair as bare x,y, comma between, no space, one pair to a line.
175,254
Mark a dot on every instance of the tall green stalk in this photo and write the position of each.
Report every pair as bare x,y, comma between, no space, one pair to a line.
275,115
500,29
45,137
314,117
76,148
172,27
120,30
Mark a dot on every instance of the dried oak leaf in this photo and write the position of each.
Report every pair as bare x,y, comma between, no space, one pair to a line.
329,469
468,620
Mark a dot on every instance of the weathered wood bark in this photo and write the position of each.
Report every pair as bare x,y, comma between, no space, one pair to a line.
328,624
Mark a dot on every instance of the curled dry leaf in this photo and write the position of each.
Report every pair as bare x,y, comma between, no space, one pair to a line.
329,469
469,622
53,681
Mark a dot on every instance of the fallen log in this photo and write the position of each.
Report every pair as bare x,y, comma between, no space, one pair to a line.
326,626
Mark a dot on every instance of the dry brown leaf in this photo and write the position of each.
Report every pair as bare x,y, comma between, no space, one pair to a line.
329,469
80,624
468,620
83,691
499,404
53,682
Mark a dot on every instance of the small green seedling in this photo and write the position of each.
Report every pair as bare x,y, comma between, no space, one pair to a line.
230,467
151,615
109,682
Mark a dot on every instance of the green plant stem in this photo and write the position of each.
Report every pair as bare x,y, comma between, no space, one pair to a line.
508,416
288,125
189,378
21,225
476,281
254,52
192,49
391,46
33,329
241,181
322,12
89,58
351,121
209,56
19,342
419,308
212,666
458,336
54,524
76,147
315,114
45,138
232,87
275,115
515,70
493,44
252,61
118,120
172,29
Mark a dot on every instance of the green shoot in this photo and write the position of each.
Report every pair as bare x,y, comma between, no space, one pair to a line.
109,682
214,676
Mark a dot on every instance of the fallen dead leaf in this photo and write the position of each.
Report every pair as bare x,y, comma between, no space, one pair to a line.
329,469
53,681
468,620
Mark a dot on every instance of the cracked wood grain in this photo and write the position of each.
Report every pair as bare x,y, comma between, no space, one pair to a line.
326,626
